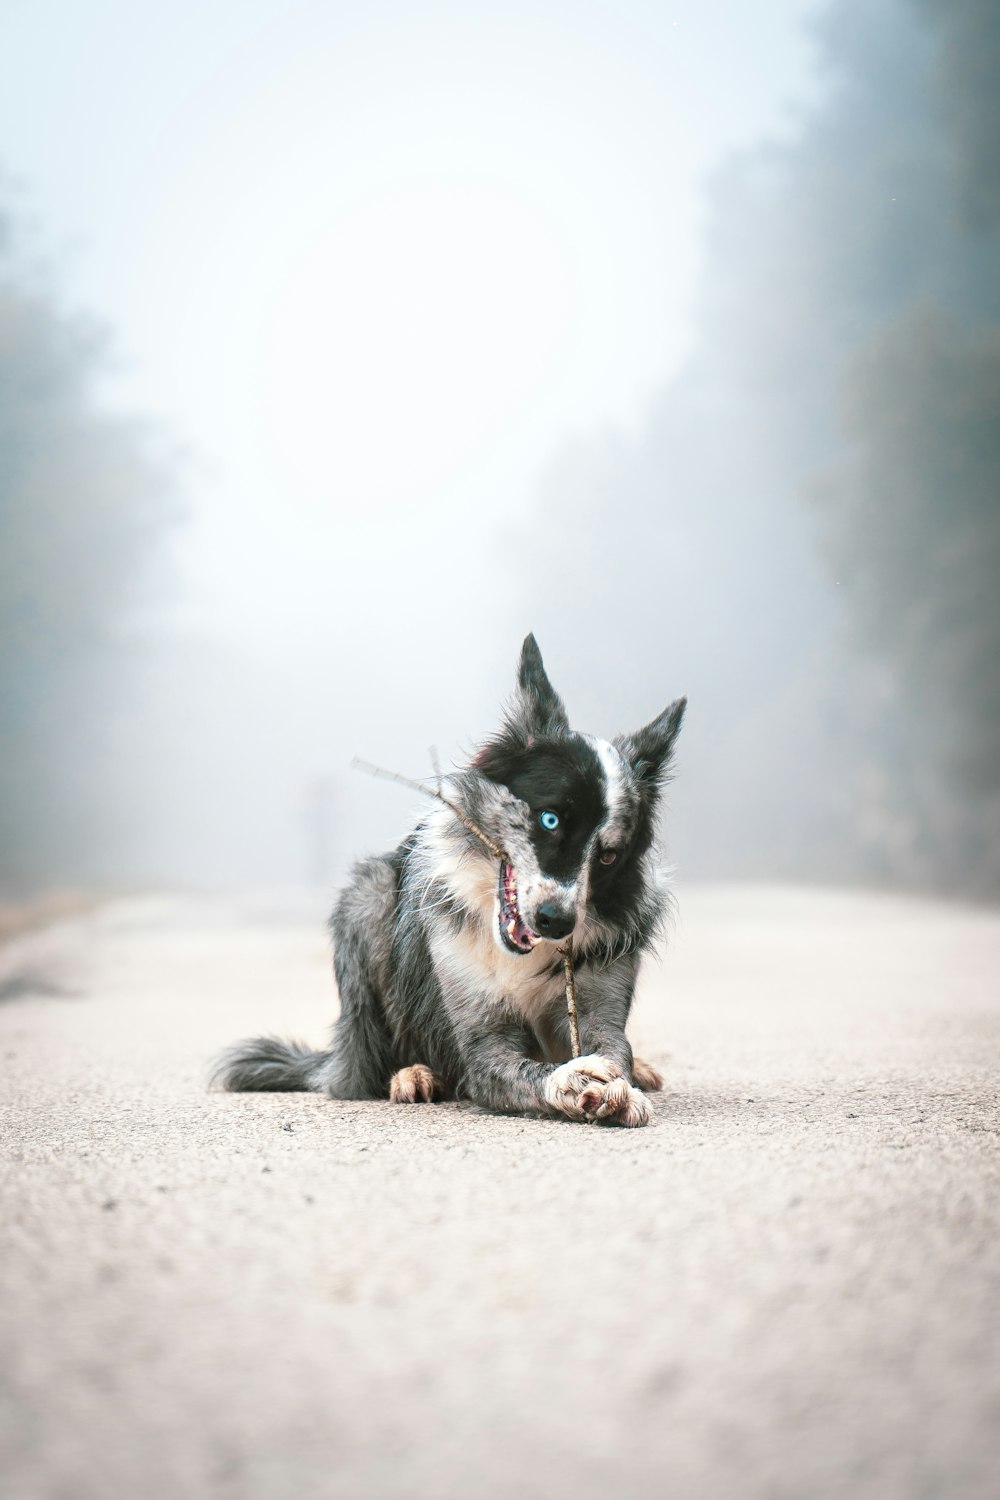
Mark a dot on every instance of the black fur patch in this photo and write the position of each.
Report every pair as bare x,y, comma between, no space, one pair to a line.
616,891
564,776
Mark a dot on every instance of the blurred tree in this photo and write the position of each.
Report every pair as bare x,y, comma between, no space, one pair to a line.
911,502
82,501
845,716
914,521
912,516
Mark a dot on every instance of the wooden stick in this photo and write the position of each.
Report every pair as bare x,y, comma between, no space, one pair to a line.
428,791
437,767
574,1024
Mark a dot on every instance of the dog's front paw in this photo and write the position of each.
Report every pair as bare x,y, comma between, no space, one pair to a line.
575,1080
415,1085
616,1103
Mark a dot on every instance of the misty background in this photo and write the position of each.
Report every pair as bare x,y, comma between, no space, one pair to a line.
339,350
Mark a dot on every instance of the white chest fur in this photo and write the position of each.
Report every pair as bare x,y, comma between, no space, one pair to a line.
473,958
523,982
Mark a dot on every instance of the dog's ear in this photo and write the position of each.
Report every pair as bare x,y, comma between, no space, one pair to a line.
650,749
537,709
535,712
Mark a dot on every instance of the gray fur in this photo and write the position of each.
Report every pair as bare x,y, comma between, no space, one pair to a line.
420,959
265,1064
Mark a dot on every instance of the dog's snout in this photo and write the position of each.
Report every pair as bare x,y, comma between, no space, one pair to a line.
553,921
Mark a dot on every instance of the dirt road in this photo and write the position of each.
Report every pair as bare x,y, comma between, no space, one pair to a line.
788,1287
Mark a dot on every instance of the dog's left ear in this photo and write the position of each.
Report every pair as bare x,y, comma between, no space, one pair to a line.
650,749
537,709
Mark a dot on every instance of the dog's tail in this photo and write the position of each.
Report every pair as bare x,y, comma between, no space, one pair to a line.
266,1064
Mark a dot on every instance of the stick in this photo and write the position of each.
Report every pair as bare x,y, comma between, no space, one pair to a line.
574,1024
428,791
437,767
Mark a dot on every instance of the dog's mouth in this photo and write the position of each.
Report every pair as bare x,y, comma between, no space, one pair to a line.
514,931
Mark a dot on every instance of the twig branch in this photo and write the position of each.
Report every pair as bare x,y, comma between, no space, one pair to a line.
574,1024
428,791
437,768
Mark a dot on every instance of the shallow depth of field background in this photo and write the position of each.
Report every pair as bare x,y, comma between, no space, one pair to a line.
340,346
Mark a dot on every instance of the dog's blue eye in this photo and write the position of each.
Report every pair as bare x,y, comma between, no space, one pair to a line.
548,820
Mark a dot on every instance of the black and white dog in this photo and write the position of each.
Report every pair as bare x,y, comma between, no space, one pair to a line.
448,960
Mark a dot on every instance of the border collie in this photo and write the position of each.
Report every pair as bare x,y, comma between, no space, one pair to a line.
449,959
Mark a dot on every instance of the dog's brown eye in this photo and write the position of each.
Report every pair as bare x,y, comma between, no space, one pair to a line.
608,856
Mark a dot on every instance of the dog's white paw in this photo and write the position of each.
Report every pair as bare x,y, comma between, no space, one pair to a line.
616,1103
415,1085
572,1081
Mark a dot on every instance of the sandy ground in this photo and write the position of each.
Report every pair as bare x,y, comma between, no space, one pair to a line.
788,1287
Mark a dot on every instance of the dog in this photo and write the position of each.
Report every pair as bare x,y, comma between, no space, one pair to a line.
449,957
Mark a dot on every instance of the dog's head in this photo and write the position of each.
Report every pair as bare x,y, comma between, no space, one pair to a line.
575,815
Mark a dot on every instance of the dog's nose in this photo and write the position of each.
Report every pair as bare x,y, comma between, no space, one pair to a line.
552,922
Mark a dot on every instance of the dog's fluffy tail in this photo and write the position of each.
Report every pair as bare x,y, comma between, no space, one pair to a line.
266,1064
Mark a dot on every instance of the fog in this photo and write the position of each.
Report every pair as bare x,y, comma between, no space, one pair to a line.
339,350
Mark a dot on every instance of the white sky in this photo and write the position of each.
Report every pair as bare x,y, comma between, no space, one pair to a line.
374,264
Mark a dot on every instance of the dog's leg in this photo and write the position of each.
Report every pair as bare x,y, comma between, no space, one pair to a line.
604,1000
607,1098
417,1084
500,1073
360,1059
552,1031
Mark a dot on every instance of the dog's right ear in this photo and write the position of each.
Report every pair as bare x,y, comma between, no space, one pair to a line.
537,709
535,712
650,749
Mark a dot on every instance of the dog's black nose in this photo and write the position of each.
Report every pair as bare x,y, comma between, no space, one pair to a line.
552,922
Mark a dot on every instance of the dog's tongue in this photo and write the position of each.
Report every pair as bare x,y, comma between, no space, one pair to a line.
523,933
